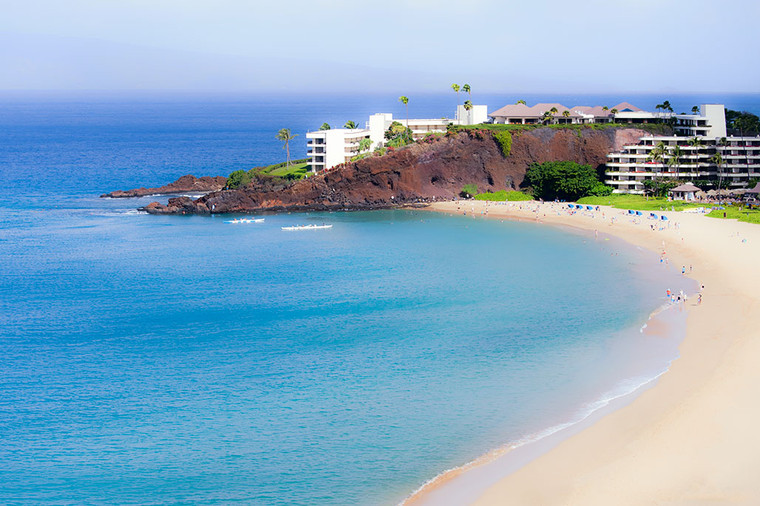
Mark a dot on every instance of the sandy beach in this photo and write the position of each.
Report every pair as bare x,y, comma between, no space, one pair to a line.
693,437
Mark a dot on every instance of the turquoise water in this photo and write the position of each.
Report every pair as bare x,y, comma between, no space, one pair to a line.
151,359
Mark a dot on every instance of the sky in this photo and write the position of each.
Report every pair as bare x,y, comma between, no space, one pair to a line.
412,46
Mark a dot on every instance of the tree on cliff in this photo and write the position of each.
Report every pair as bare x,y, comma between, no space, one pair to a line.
561,180
521,101
286,136
456,88
405,100
466,88
325,126
398,135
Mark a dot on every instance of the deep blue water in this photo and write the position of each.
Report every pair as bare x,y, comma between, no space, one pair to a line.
183,359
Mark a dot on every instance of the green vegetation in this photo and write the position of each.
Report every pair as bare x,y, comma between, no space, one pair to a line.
504,139
653,128
297,169
325,126
469,190
638,203
503,195
398,135
742,122
561,180
737,212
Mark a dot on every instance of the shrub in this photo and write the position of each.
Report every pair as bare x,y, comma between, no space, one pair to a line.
504,139
599,190
238,179
469,190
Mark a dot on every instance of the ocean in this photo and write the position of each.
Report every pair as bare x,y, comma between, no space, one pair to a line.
155,359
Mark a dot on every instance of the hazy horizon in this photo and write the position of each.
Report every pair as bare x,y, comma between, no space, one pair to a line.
334,46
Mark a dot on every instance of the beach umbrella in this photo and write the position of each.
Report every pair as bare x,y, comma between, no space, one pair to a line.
590,208
664,218
570,206
579,207
631,212
639,213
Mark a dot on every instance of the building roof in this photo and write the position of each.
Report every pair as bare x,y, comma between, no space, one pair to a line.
536,111
686,187
597,111
756,189
626,107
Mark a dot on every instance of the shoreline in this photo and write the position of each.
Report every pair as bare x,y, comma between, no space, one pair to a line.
552,475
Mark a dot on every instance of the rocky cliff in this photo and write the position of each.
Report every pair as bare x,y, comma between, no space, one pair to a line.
418,173
185,184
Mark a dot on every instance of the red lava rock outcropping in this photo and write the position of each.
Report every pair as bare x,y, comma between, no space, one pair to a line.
419,173
185,184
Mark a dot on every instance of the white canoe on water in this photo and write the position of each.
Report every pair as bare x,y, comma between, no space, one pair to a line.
238,221
307,227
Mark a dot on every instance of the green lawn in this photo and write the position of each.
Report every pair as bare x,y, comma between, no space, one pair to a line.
503,195
737,213
296,169
638,202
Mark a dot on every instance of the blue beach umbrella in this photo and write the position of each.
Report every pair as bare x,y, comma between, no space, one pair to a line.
570,206
631,212
590,208
664,218
639,213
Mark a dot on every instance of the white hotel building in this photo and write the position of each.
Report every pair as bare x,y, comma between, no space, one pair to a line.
328,148
629,168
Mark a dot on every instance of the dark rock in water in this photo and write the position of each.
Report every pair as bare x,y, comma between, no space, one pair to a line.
185,184
419,173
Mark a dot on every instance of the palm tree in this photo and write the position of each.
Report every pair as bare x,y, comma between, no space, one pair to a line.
566,114
365,144
695,109
614,111
350,125
605,108
546,117
718,160
521,101
696,143
466,88
456,88
325,126
675,159
286,136
405,100
467,105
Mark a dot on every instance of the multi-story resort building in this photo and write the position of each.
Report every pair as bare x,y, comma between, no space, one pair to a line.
700,150
328,148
